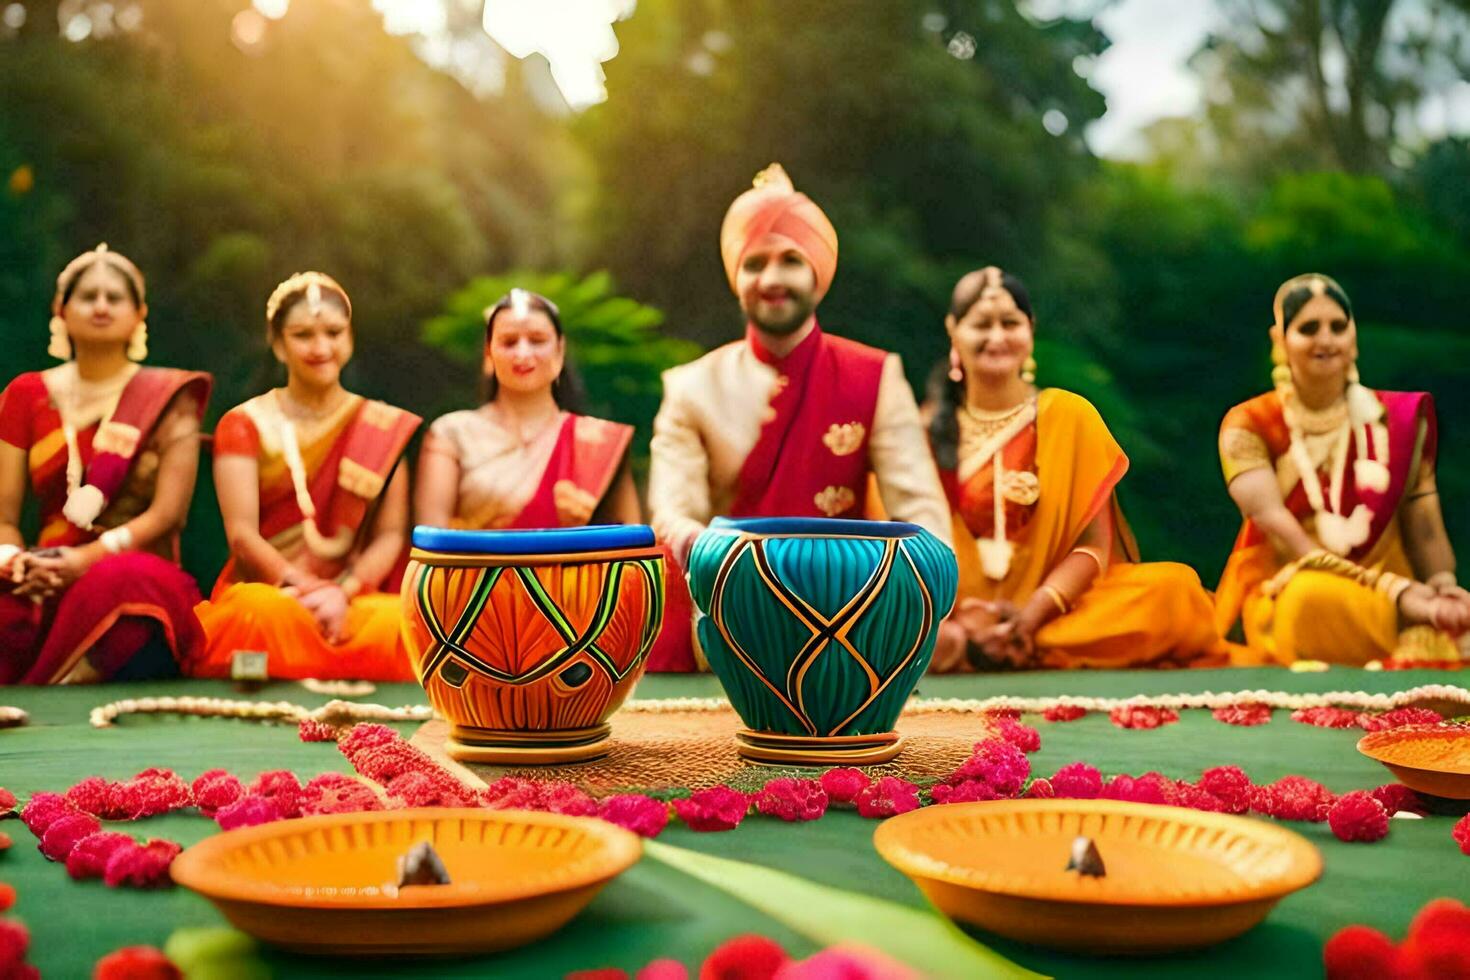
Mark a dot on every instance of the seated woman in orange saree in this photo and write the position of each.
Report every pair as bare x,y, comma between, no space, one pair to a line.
1343,556
111,450
315,506
1048,568
523,459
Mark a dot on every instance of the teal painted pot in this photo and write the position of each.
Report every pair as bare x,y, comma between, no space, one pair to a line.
819,630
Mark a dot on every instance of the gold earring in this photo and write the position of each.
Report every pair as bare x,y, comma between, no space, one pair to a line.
956,372
138,342
60,346
1280,370
1028,371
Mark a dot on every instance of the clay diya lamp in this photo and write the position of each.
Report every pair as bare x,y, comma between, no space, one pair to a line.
1430,759
407,882
1099,877
528,641
819,630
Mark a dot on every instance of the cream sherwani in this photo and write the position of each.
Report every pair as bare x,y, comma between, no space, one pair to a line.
711,418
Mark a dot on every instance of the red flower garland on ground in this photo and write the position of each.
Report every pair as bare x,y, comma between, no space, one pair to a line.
1230,785
1398,718
1326,717
1244,714
1023,737
1064,712
15,940
1436,948
792,800
1293,798
1396,798
752,957
1358,816
215,790
1461,834
88,859
887,797
642,815
1142,716
844,783
136,963
713,809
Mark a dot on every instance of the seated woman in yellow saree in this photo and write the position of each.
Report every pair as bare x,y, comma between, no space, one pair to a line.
1343,555
524,459
1048,567
315,507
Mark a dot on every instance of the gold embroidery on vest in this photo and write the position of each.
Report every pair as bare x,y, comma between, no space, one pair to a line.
834,500
844,440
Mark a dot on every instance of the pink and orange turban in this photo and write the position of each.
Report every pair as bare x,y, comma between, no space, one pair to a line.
774,207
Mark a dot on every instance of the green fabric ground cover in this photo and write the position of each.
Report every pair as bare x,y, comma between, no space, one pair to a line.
654,911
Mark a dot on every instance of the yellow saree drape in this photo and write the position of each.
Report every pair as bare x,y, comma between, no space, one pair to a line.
242,615
1319,615
1135,615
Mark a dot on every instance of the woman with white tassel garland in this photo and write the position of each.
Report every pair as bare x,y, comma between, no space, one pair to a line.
315,506
110,450
1343,555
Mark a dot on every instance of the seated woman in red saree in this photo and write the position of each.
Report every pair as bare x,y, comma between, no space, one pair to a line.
523,459
1049,572
1343,555
315,506
111,450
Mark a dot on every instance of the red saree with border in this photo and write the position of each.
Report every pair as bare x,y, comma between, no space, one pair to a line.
125,604
589,452
348,460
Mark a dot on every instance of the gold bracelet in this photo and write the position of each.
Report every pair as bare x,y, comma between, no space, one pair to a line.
351,585
1094,554
1057,597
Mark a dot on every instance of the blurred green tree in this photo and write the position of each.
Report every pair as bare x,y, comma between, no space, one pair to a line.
1316,84
920,127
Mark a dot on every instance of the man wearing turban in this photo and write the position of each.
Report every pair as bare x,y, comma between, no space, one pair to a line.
789,421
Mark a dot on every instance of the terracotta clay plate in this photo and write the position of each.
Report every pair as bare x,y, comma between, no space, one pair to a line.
1433,759
1175,878
328,884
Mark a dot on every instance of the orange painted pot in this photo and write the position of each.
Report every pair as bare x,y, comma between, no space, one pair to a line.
528,641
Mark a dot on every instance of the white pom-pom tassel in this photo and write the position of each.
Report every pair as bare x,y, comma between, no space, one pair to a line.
1369,474
1363,406
995,557
83,506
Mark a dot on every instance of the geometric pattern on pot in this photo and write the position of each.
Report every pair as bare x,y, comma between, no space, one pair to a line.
823,633
488,607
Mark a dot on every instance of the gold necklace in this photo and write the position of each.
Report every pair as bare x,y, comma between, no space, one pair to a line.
1319,421
501,418
294,410
976,425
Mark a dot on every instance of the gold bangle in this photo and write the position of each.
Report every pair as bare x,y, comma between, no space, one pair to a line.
1056,597
351,585
1094,554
